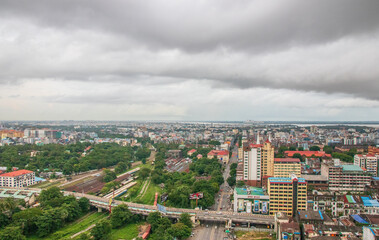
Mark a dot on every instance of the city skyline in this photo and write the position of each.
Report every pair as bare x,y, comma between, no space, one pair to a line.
195,61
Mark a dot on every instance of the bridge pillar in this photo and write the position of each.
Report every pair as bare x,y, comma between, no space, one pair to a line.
248,225
99,209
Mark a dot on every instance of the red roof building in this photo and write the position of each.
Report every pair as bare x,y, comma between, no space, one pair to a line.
222,155
308,153
190,152
16,173
20,178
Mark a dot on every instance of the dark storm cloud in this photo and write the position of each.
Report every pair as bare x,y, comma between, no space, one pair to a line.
203,25
232,44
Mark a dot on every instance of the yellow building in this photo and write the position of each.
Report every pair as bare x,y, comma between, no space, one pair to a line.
267,159
284,167
287,194
11,134
240,153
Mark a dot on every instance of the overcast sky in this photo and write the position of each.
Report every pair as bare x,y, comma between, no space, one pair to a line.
189,60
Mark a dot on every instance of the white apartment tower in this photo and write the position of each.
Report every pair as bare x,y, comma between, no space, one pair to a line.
252,159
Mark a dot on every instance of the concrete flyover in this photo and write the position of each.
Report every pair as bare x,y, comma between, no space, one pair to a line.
221,216
202,215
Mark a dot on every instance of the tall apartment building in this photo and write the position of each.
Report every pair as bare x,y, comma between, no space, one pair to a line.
258,161
252,161
267,159
287,194
369,162
345,178
284,167
20,178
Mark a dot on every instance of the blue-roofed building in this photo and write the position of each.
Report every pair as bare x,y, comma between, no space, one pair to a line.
287,195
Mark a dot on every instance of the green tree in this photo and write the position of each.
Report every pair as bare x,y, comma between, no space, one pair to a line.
240,183
153,219
51,197
179,230
298,155
84,236
50,221
120,216
185,218
26,219
11,233
120,168
102,230
231,181
144,173
84,204
328,149
314,148
4,220
109,175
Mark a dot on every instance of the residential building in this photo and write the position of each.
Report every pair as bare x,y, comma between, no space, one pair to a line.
190,152
251,200
345,178
370,233
284,167
369,162
221,155
316,182
252,162
174,153
19,178
287,195
267,159
290,231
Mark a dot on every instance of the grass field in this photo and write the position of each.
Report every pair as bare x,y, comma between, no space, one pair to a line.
74,227
149,196
128,232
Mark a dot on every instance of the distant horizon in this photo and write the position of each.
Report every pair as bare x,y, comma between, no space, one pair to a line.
209,121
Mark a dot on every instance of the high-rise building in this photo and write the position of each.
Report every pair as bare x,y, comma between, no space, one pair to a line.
284,167
252,158
287,195
267,159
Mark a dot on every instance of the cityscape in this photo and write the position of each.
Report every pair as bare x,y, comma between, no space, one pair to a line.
180,120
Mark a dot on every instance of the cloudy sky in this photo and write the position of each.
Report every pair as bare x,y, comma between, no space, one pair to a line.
189,60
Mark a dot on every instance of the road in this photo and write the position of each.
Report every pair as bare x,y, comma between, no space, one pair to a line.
223,199
215,231
222,203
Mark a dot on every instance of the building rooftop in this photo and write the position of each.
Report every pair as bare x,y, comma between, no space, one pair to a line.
351,168
250,191
285,180
287,160
313,216
309,177
16,173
